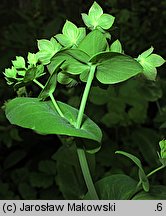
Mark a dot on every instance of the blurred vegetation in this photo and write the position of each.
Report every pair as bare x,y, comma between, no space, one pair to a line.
43,167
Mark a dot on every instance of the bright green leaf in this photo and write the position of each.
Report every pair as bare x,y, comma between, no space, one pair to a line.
155,60
93,43
106,21
116,47
115,67
32,59
42,117
19,62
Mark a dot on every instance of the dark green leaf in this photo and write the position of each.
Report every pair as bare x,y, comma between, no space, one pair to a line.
142,175
41,180
157,192
13,158
50,85
115,187
47,166
27,192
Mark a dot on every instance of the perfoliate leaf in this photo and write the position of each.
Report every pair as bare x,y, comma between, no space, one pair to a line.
116,47
115,67
19,63
93,43
43,118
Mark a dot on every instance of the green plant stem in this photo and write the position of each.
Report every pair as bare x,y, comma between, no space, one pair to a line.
85,96
38,83
151,173
56,105
81,152
154,171
51,97
86,174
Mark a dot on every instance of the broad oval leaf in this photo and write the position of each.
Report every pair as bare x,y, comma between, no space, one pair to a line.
115,187
93,43
42,117
157,192
115,67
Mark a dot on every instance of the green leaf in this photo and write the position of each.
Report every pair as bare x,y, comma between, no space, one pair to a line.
13,158
146,140
50,85
99,96
149,63
32,59
142,175
115,187
96,19
95,11
19,62
93,43
69,177
27,192
115,67
71,35
41,180
76,54
116,47
33,73
106,21
71,65
47,49
146,53
155,60
10,72
64,78
48,167
157,192
42,117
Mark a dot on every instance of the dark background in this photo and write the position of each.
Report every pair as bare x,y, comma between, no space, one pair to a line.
26,168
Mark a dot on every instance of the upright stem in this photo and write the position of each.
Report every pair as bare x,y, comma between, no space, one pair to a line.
85,96
86,174
81,152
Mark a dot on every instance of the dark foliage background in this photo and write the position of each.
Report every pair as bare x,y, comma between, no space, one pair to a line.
130,114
